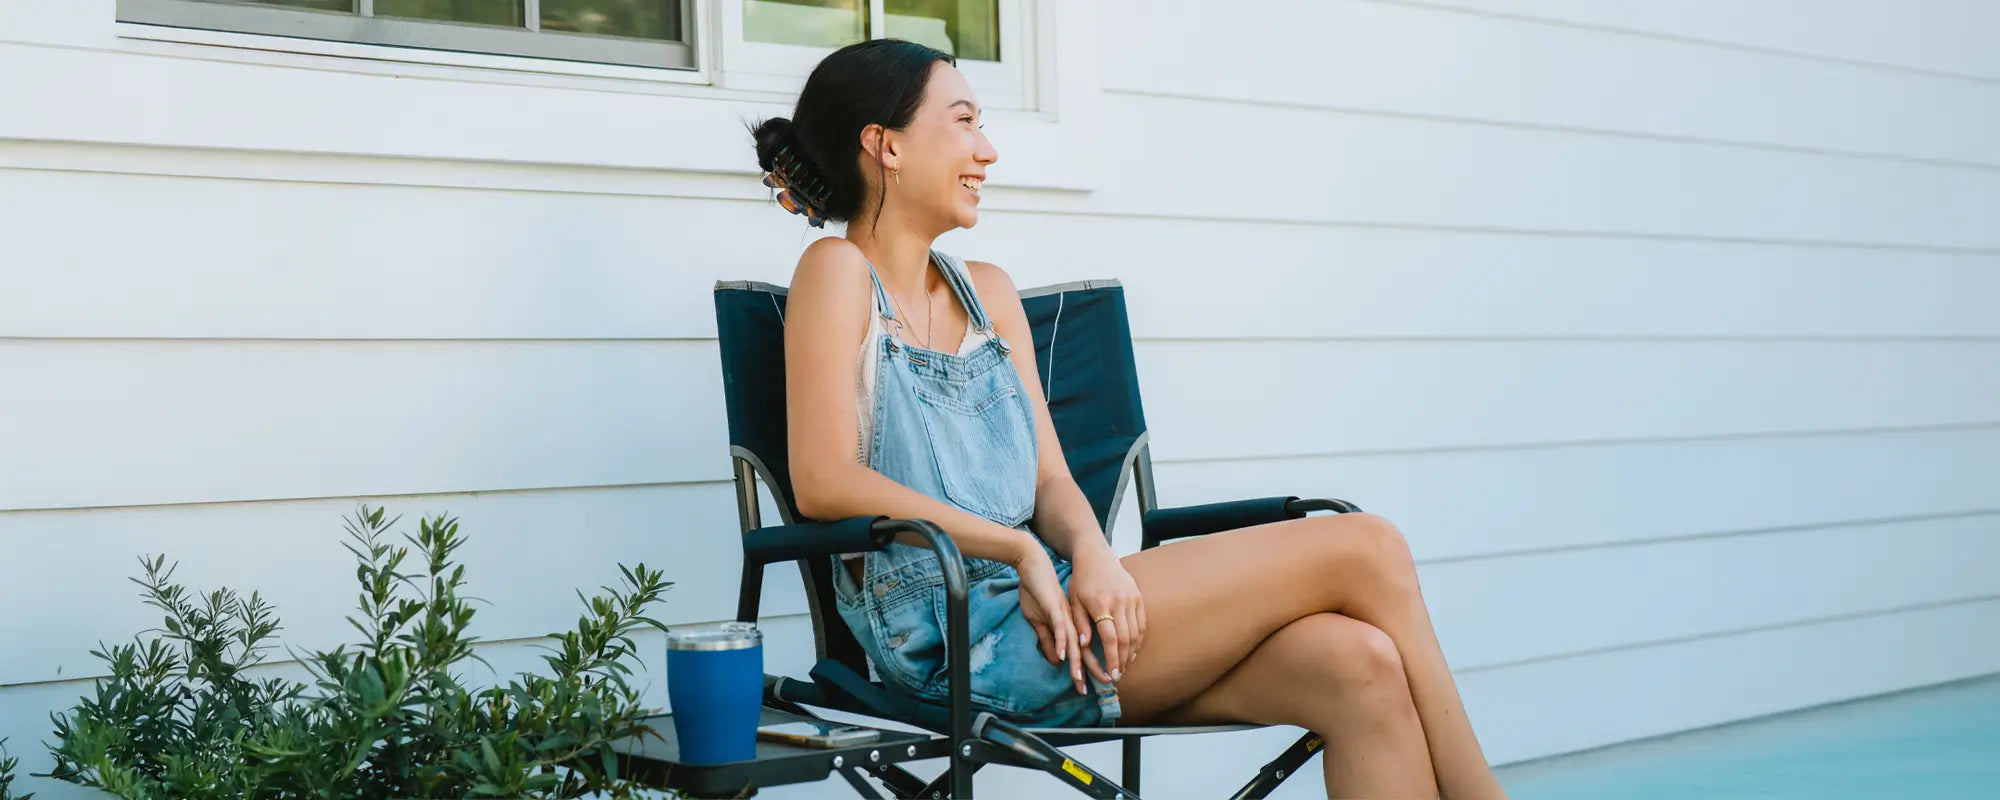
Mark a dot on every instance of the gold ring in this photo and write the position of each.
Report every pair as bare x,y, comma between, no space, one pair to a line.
1102,618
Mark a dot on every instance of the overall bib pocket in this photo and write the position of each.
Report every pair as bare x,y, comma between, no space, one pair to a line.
980,448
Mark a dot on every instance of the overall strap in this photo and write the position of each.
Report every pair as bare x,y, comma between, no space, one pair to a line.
882,305
961,285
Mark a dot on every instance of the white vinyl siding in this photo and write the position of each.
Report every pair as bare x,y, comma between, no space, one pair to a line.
1665,334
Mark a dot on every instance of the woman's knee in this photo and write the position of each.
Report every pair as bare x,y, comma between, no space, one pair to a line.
1368,548
1364,659
1361,671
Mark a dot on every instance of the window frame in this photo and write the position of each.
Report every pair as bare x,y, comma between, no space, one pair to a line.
419,38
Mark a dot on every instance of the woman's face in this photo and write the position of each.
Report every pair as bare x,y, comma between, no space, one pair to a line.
942,155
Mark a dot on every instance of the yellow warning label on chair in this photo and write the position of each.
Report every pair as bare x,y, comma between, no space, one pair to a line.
1074,770
1314,743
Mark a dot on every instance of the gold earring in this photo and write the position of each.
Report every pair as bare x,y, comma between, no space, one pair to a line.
898,175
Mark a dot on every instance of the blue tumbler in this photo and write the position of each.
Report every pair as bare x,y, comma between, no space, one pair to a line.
715,680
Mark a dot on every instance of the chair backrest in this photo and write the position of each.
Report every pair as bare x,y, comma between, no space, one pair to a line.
1083,351
1083,354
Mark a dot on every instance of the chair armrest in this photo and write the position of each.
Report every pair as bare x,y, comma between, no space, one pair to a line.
958,645
1166,524
864,534
812,539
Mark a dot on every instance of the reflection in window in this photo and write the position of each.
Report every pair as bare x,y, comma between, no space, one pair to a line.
484,12
317,5
640,19
811,23
964,28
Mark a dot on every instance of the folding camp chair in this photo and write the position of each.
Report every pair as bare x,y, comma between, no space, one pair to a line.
1083,349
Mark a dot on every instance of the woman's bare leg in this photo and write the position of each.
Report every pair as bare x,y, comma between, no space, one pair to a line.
1210,601
1342,679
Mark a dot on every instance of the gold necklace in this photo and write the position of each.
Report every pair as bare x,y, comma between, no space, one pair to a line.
930,317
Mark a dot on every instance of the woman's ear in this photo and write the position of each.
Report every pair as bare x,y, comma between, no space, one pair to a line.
871,141
881,149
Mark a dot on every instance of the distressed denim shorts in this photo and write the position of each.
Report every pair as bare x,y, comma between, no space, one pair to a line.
899,615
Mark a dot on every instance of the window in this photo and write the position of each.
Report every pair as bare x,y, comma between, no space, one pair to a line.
772,44
969,29
646,33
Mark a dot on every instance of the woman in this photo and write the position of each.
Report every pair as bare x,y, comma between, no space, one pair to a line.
911,394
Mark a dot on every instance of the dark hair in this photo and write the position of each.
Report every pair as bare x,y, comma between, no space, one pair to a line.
880,81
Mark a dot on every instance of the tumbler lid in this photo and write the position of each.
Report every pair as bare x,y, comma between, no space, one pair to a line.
727,636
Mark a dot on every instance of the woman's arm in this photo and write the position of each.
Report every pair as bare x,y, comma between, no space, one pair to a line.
826,315
1063,516
1102,596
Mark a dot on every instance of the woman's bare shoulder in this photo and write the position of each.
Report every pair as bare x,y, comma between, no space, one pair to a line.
986,273
830,270
831,259
995,288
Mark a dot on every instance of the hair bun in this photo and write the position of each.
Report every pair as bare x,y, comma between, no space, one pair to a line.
773,135
813,157
801,188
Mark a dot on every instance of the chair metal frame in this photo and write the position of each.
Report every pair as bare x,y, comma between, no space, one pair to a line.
969,740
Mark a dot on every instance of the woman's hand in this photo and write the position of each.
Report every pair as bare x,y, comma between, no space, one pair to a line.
1104,599
1047,611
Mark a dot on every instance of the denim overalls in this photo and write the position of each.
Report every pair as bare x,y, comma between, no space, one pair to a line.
959,428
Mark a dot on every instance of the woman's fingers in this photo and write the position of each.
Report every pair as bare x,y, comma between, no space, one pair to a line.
1113,640
1090,660
1128,622
1059,628
1081,618
1045,640
1062,621
1076,654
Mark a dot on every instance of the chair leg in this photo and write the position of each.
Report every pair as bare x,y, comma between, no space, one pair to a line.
1002,742
943,785
860,784
749,592
901,783
1132,764
1280,768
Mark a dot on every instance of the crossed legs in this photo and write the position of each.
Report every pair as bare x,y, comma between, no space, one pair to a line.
1317,623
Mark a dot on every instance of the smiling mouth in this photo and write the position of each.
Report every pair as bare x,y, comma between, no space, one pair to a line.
971,184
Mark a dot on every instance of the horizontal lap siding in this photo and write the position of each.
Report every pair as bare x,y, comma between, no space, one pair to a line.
134,422
138,422
1313,165
1249,399
361,261
1946,38
1483,503
1409,60
1664,334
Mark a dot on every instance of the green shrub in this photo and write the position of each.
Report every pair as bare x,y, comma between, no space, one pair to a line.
7,765
183,713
